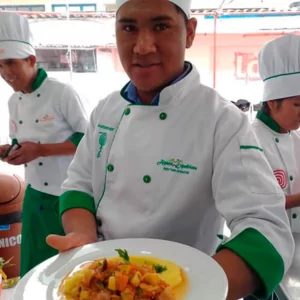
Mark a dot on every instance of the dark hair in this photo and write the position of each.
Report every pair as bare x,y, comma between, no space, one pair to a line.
180,11
265,107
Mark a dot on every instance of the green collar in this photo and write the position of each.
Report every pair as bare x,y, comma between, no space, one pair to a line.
268,121
41,76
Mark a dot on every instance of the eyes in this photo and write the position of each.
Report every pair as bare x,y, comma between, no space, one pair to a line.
157,27
8,63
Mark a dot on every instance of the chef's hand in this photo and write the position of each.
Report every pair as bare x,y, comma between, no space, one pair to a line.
68,242
3,149
28,152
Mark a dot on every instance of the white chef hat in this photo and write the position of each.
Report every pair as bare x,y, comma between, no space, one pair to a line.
279,67
185,5
15,36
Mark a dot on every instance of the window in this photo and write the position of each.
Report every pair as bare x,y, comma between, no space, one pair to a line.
74,7
58,60
23,8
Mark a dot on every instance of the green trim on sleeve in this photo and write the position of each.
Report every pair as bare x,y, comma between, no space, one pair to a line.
76,199
261,256
76,138
14,141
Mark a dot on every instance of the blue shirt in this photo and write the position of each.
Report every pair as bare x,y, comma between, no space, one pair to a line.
131,92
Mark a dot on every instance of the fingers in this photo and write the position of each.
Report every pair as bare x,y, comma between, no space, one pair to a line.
19,160
68,242
14,154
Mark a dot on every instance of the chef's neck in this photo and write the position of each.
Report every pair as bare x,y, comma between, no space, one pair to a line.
29,88
146,97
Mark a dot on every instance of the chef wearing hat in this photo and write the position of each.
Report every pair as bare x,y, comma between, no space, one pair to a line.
167,157
47,121
277,122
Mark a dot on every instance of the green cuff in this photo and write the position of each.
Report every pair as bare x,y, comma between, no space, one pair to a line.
76,199
14,141
261,256
76,138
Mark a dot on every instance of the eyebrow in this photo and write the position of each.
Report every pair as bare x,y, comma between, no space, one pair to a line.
154,19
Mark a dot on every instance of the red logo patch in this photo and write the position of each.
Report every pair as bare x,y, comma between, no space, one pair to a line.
1,50
281,178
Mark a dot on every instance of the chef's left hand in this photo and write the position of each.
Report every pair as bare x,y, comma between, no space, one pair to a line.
29,151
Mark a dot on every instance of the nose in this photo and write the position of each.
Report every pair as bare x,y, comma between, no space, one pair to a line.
145,43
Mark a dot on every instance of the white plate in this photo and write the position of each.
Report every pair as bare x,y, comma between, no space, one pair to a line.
206,278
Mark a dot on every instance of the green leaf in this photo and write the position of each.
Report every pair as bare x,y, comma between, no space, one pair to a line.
159,268
123,254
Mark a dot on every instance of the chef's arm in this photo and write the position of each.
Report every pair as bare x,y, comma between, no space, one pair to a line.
72,223
242,280
292,201
249,198
65,148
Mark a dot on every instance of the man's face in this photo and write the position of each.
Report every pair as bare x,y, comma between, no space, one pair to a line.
152,37
286,113
18,73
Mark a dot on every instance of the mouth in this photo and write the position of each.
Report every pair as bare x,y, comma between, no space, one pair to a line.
146,66
11,81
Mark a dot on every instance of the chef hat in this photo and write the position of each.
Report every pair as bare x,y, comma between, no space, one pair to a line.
279,68
15,36
185,5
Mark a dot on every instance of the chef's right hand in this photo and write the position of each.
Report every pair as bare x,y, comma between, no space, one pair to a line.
69,241
3,149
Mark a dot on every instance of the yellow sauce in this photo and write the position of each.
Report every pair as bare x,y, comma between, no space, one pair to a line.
174,275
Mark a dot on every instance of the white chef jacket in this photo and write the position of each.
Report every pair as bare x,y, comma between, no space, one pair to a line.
52,113
282,151
173,171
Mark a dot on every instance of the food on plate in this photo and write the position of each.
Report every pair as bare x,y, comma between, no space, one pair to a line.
124,278
4,281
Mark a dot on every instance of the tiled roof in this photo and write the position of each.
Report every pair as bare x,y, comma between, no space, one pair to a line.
101,15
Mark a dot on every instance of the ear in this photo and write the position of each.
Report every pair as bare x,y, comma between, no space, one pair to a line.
271,105
31,61
191,32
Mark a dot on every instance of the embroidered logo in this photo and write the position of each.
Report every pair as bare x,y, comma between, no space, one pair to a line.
102,142
281,178
47,118
101,126
177,166
2,50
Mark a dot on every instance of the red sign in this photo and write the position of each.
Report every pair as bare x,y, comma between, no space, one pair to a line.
246,66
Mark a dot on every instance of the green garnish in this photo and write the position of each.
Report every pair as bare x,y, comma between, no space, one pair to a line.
100,264
159,269
124,255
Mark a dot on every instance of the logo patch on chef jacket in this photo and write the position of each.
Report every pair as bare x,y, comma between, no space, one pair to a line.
2,50
177,166
102,142
281,178
47,118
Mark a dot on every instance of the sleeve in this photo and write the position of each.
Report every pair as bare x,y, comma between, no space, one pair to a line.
12,124
77,188
249,198
73,109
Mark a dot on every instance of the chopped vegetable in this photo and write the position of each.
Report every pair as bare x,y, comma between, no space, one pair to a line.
116,279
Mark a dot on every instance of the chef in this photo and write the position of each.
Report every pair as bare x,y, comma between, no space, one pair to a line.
278,121
47,122
167,157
